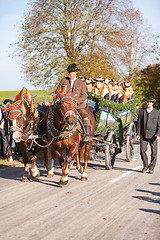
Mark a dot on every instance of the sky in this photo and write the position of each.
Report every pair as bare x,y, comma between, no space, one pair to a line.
11,15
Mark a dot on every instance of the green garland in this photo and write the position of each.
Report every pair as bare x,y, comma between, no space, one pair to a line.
114,107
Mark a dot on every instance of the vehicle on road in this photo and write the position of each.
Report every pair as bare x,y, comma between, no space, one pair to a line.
115,128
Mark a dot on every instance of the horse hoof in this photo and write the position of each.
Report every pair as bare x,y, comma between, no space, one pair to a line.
63,183
83,178
26,179
37,176
50,175
80,169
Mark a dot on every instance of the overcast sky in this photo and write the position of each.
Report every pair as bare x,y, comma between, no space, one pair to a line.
11,15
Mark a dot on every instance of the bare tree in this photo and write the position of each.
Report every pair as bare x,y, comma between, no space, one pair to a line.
132,46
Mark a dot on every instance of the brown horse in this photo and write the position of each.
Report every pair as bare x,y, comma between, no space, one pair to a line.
64,128
25,130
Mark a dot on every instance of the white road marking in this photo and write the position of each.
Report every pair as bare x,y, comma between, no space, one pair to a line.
124,175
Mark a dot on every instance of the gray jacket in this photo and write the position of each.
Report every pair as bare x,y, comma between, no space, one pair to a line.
148,124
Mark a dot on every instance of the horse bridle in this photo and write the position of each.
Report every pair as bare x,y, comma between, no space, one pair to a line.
69,112
20,129
15,128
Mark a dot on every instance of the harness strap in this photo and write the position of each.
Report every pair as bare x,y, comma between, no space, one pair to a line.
66,97
17,110
69,113
15,129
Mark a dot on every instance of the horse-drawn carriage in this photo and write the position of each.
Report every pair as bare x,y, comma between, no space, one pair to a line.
60,126
115,127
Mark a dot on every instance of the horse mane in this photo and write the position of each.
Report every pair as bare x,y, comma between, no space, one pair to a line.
24,94
63,93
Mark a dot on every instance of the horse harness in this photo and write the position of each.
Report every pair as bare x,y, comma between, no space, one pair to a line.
31,126
65,133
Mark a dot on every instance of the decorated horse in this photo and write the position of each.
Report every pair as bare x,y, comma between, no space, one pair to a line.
66,130
27,129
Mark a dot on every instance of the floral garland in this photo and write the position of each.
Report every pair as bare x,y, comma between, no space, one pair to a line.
65,133
114,107
29,106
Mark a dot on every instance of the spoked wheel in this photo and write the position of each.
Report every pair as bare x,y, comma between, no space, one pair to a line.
130,142
110,151
92,155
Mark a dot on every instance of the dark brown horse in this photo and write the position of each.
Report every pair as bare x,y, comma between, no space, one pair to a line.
25,128
64,128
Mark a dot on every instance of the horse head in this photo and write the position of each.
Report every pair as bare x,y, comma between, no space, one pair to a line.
19,118
68,108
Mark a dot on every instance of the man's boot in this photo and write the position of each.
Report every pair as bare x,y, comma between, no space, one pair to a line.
87,126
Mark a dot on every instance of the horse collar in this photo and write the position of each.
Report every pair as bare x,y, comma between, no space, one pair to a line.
59,134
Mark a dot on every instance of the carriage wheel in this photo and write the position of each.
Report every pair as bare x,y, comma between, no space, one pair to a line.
110,151
92,155
130,140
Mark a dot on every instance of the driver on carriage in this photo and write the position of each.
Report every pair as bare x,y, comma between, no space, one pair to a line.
79,87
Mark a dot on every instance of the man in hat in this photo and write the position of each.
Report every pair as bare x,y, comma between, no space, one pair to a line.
79,87
148,131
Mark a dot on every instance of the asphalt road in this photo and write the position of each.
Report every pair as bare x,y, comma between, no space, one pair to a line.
118,204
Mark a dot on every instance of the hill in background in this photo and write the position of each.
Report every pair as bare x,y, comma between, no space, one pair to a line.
41,95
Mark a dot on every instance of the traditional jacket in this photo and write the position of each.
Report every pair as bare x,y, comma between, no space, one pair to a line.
79,88
148,124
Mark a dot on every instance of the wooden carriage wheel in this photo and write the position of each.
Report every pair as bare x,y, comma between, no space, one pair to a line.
110,151
130,142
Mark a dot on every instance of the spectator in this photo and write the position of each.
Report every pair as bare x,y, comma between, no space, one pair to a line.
148,131
3,133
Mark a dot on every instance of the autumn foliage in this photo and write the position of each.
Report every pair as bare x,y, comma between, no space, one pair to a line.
106,38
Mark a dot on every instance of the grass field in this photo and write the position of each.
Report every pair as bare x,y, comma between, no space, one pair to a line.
41,95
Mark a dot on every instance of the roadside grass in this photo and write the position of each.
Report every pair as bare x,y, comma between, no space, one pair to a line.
5,163
15,162
41,95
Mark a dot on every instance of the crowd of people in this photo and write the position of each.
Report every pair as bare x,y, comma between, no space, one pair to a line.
117,91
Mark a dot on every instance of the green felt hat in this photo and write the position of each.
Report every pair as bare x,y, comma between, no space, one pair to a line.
72,67
150,99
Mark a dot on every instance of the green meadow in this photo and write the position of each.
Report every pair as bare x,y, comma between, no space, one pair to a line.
41,95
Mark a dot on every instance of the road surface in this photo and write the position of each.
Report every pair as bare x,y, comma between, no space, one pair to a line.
118,204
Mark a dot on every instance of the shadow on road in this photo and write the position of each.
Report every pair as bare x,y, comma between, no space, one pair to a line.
49,183
149,192
150,210
157,184
154,198
127,169
147,199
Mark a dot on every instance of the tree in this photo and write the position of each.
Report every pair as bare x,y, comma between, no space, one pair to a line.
132,42
102,36
147,83
57,32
